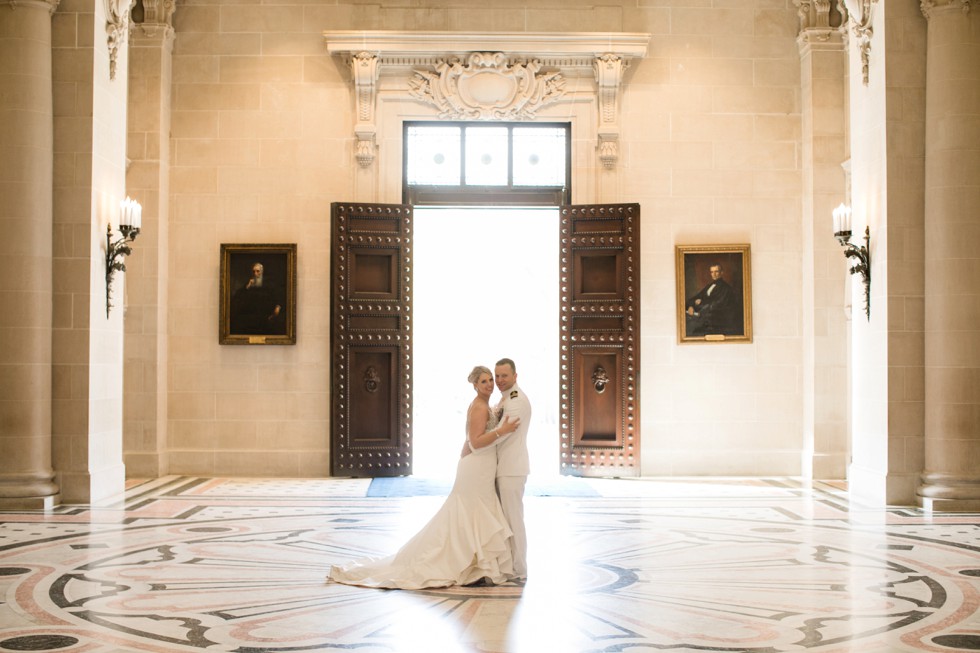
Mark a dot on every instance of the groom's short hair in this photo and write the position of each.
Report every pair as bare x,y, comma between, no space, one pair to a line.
507,361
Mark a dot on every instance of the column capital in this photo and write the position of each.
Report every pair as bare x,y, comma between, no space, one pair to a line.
50,5
155,12
152,24
930,7
819,13
826,39
151,35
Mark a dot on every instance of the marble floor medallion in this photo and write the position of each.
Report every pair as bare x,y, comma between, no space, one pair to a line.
197,566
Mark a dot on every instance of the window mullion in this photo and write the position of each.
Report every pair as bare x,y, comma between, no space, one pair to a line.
462,156
510,156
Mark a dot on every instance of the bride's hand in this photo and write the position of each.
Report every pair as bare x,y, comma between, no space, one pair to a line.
508,426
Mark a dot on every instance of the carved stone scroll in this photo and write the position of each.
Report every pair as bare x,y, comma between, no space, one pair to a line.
364,67
861,15
609,70
487,87
116,27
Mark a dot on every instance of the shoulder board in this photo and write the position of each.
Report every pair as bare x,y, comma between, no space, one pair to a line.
513,394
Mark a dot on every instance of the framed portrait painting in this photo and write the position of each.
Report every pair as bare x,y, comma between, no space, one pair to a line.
258,294
714,293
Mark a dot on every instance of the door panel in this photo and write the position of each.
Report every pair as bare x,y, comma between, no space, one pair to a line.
598,275
371,396
599,419
602,424
370,340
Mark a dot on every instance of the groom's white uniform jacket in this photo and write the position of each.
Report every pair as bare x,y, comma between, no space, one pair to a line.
512,458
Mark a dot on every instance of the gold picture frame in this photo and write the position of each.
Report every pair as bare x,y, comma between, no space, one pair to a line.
258,294
714,293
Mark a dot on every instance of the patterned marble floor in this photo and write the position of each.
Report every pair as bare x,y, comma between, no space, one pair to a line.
684,565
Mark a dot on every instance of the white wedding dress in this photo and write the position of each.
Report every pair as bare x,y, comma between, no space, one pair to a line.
462,543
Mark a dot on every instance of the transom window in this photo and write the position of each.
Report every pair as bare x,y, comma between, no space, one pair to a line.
486,163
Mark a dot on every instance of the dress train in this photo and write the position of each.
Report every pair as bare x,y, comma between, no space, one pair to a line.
466,540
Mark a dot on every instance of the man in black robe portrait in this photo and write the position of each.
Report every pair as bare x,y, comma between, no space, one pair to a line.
714,310
257,307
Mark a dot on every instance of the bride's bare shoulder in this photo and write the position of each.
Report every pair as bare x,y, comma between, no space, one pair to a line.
478,408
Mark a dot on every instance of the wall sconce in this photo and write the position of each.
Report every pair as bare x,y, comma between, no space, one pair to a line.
842,232
130,221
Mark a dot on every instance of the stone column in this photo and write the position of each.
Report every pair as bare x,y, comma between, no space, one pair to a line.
26,174
951,480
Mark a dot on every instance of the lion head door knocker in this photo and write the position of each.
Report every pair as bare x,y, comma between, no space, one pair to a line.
600,379
371,379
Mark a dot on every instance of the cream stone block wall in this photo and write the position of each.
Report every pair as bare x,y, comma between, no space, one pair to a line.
262,128
255,160
712,130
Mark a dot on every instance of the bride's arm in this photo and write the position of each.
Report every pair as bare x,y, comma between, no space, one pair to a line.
476,434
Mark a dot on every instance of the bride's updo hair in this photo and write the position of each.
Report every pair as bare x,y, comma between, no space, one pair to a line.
477,372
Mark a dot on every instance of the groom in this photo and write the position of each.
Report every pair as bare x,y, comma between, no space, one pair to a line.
513,464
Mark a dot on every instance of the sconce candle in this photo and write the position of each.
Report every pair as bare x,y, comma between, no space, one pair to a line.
130,222
842,232
842,220
131,214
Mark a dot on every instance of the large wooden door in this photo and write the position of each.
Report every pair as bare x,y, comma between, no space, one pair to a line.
370,340
371,333
599,419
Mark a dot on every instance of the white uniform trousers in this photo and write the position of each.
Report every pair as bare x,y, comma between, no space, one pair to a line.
510,489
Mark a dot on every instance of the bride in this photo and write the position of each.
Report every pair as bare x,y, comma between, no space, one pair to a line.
466,540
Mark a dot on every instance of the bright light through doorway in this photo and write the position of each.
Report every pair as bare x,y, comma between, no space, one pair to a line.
486,287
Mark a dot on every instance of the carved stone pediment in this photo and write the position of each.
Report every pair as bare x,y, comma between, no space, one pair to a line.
487,76
487,87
